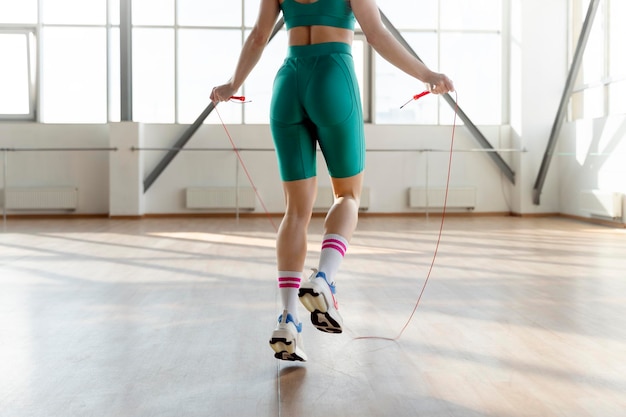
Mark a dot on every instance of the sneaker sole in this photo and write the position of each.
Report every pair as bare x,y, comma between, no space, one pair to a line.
285,348
321,314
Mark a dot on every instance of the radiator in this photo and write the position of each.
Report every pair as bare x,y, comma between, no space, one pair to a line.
325,199
461,197
42,198
220,198
601,203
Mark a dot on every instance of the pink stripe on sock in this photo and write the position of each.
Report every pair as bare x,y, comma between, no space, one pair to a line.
289,285
339,242
335,244
289,282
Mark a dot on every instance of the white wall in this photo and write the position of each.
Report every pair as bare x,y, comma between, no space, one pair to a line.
88,171
592,155
388,174
395,162
538,73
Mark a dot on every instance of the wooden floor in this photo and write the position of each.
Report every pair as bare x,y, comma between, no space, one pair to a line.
171,317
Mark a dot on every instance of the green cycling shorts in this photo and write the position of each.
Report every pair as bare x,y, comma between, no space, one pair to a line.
316,100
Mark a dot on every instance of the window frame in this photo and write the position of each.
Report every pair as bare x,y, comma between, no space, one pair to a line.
30,32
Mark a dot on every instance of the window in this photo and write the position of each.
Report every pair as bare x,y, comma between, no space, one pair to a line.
601,84
153,12
74,75
617,58
462,39
18,12
208,13
18,52
17,74
182,48
258,86
76,12
394,87
153,75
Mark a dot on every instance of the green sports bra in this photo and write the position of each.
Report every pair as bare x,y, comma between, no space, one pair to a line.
335,13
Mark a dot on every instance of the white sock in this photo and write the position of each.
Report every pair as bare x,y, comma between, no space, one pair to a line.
288,285
334,248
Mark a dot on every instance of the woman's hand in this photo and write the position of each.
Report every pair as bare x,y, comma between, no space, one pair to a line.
222,93
439,83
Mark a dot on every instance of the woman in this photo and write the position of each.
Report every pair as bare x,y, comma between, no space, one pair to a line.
316,101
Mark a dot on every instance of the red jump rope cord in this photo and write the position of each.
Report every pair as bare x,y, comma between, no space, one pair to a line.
243,165
443,217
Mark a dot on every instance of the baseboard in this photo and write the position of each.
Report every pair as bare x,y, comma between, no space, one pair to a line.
323,214
592,220
245,214
534,215
61,216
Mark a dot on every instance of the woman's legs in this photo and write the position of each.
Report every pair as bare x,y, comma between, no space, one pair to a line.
291,247
340,223
318,295
291,243
343,215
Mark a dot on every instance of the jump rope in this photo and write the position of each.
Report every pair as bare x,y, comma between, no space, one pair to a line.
242,99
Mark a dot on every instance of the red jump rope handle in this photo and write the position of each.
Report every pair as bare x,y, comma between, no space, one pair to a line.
416,96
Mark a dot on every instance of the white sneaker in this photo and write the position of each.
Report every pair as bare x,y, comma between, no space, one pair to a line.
318,296
287,339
